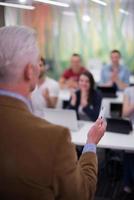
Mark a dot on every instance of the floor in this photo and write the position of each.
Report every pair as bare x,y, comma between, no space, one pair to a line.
110,183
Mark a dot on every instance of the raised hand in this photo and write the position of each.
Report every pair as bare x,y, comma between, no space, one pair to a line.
97,131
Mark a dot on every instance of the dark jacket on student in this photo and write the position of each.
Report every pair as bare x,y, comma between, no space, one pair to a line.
92,110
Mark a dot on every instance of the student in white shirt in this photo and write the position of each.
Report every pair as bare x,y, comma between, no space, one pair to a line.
46,92
128,111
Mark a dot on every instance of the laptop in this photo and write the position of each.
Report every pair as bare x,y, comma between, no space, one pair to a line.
116,110
118,125
66,118
107,92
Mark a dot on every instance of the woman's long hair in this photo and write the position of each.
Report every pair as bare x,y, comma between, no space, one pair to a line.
92,84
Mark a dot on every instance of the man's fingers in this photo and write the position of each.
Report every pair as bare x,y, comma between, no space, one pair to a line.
104,124
98,122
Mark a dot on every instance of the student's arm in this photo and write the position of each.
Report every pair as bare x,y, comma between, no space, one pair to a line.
73,101
121,85
75,179
128,108
51,100
103,79
62,82
124,83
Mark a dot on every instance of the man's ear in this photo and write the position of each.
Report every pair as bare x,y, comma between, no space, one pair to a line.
28,72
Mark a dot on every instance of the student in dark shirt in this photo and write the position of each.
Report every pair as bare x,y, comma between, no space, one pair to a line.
86,100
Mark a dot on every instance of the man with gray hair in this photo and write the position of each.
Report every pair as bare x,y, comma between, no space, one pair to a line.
37,159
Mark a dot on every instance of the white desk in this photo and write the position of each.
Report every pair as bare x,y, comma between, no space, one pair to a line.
109,140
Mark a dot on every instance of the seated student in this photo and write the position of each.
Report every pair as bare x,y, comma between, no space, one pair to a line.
128,111
86,101
115,74
46,92
128,104
70,77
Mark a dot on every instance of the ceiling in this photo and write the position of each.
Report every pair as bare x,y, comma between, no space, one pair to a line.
125,4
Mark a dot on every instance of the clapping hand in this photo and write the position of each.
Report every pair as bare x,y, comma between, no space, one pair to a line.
73,99
46,94
114,75
71,83
84,99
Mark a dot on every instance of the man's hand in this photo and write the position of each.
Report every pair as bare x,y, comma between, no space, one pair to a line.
97,131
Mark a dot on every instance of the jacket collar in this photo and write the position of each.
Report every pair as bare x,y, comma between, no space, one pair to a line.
12,99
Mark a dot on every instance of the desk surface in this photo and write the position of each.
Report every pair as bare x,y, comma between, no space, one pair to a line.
109,140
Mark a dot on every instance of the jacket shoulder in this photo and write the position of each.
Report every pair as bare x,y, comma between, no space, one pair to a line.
44,127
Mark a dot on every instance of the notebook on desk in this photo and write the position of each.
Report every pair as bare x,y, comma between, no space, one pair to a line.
66,118
118,125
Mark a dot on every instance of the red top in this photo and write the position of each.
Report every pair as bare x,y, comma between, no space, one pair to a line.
69,73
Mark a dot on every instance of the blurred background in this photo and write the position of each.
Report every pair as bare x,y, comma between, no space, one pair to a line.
91,28
88,27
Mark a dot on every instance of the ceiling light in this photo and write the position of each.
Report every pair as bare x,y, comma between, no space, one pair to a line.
22,1
67,13
124,11
86,18
100,2
56,3
13,5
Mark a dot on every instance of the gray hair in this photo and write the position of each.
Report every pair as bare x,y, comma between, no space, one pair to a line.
18,47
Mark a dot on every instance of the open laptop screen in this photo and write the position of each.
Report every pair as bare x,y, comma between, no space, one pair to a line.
66,118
